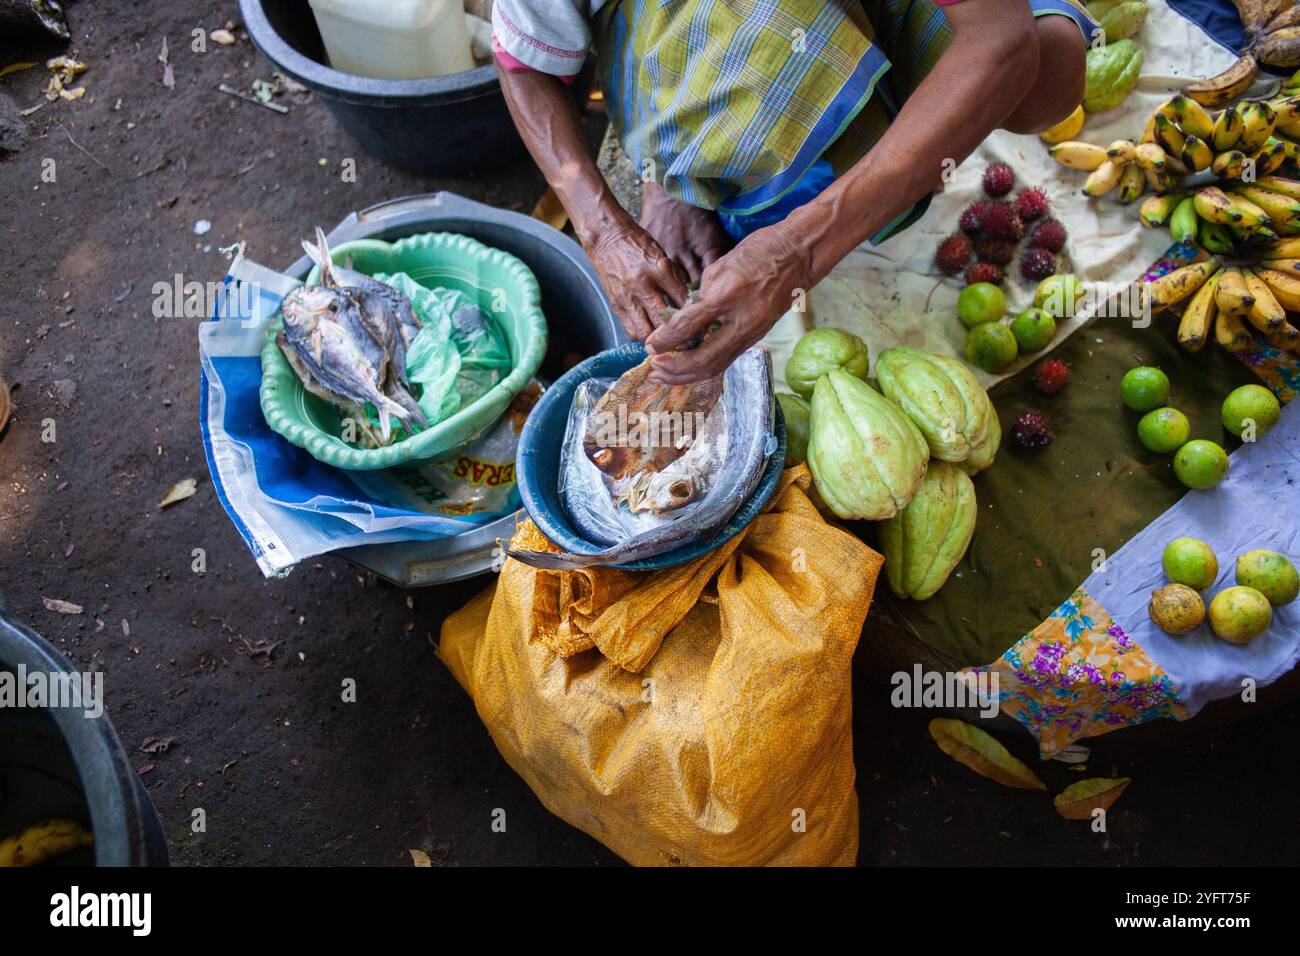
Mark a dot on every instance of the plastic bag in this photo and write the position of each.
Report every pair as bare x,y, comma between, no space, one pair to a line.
589,495
699,715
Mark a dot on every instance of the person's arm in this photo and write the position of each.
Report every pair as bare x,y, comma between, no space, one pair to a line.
978,83
639,278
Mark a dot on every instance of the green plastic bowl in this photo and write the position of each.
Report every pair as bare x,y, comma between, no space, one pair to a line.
498,283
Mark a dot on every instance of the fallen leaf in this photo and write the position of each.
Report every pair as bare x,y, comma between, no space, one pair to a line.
420,858
15,67
63,607
183,489
1079,800
971,746
157,745
550,210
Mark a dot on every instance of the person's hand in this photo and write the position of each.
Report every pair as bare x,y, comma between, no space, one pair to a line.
691,236
741,297
639,278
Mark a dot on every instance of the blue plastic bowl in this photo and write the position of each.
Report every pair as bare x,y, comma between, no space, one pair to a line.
537,465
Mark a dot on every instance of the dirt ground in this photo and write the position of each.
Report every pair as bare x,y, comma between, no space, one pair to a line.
243,674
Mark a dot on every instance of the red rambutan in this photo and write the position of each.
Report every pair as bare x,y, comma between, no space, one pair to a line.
972,217
1031,203
998,180
953,254
1051,375
1037,264
1048,234
985,272
1031,432
996,251
1001,222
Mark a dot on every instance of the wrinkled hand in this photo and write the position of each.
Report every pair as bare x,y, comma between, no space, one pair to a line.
741,297
639,278
691,236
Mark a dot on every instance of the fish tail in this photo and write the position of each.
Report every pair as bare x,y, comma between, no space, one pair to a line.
550,560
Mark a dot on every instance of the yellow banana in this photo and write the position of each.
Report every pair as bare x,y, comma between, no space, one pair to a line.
1279,48
1103,179
1287,109
1191,116
1272,158
1067,129
1122,151
1232,296
1215,205
1197,153
1285,288
1279,184
1259,119
1151,156
1227,130
1230,332
1172,288
1287,338
1266,314
1169,136
1194,327
1132,183
1276,206
41,841
1159,182
1078,155
1229,165
1252,217
1149,131
1227,86
1156,210
1283,249
1286,266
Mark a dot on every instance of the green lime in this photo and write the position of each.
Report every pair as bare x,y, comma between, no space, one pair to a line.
991,346
1057,295
1190,561
1201,464
1033,329
980,302
1271,574
1145,388
1250,404
1164,430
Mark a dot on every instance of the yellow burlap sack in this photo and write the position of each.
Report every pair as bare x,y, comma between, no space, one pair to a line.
697,715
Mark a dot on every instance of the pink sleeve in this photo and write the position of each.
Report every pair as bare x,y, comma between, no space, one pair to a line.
512,65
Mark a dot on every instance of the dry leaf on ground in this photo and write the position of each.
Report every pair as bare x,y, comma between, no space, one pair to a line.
63,607
973,747
179,492
420,858
1077,801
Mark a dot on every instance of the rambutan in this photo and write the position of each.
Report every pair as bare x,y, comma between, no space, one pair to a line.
1051,375
1037,264
1031,432
1031,203
972,217
998,180
953,254
1001,222
984,272
996,251
1048,234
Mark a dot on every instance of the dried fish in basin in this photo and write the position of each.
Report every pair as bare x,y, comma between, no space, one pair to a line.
717,473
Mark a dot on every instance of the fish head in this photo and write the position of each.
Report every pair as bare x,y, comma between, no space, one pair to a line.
306,306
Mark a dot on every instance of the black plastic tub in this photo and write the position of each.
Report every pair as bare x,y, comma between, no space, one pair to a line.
57,762
444,125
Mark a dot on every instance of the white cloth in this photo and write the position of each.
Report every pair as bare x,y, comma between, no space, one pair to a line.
551,36
891,294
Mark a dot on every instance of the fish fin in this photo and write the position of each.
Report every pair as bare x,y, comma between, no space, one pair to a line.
552,561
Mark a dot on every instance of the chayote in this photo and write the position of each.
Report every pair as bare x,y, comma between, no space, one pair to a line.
1112,72
821,350
798,420
924,541
866,456
1123,20
943,397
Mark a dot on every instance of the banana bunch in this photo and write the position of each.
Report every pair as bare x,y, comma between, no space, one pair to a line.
1233,303
1272,37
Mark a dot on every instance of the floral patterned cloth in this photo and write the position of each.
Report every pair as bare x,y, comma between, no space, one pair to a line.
1079,675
